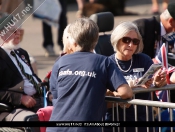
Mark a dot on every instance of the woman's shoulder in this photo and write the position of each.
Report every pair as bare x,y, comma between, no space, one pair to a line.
112,57
143,60
141,56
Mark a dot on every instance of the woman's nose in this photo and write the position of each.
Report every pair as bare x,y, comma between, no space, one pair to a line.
130,44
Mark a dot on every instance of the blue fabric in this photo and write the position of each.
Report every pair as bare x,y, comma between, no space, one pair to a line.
44,95
170,37
165,116
78,83
139,61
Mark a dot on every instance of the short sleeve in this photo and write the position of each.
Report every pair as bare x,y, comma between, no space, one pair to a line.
53,80
115,77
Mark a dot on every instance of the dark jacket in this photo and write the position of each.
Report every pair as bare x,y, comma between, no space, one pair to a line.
150,31
11,81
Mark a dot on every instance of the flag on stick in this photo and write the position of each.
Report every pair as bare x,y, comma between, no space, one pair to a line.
162,58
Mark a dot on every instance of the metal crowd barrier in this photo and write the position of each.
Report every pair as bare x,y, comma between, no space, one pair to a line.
154,104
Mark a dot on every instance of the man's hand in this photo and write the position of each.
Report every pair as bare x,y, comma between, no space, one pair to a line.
28,101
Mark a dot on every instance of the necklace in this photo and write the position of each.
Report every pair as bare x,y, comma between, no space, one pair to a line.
121,68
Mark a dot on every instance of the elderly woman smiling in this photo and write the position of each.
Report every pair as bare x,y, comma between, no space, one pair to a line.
127,43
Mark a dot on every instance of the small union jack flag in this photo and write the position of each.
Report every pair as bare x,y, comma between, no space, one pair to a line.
162,58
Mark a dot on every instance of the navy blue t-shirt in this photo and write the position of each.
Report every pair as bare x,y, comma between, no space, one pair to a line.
140,64
78,83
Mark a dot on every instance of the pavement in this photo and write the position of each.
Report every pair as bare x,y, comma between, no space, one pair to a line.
32,40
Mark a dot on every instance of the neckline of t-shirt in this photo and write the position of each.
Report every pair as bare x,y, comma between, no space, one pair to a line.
122,61
77,52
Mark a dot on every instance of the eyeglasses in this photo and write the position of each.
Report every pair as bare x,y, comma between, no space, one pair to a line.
128,40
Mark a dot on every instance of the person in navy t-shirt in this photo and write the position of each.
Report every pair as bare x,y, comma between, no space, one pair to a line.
127,43
79,80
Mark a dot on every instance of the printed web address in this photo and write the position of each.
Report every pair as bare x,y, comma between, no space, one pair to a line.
77,73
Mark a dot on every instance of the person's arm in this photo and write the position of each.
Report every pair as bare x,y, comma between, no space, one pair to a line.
14,97
9,93
117,82
124,92
10,97
28,101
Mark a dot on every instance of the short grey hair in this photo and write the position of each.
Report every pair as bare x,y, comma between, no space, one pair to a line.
121,30
85,33
166,15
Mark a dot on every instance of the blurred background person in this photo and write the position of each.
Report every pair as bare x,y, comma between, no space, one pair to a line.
89,7
155,6
81,4
19,84
152,29
48,43
15,7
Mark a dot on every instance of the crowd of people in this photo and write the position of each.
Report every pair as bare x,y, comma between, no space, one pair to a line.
80,78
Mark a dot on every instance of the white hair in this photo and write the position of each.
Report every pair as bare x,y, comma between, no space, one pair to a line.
67,39
10,45
121,30
166,15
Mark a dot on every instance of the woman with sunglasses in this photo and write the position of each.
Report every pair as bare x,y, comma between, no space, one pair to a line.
127,43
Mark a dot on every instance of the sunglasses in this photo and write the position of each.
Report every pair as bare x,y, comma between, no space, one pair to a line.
127,40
